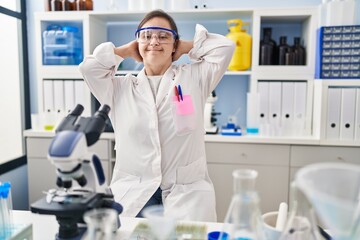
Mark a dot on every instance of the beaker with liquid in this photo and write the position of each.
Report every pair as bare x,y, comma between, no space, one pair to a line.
243,219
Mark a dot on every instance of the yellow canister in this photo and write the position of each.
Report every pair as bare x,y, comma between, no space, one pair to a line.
241,59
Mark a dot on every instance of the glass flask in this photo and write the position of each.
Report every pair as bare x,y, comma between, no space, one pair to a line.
302,222
243,219
101,224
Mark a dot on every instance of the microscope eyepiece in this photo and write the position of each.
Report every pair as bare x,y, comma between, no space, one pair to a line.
103,112
77,111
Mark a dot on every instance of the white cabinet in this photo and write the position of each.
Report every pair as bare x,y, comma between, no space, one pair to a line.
271,161
42,173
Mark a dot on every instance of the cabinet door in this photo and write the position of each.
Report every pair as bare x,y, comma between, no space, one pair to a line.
271,162
272,186
42,177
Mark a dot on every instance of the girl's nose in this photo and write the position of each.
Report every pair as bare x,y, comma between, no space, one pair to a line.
154,40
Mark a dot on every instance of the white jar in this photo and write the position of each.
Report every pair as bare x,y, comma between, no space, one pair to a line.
179,5
145,5
158,4
133,5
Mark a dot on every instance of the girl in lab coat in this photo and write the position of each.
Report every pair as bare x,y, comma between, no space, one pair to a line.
158,116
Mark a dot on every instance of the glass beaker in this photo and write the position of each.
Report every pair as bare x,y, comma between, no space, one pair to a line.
302,222
243,219
101,224
162,225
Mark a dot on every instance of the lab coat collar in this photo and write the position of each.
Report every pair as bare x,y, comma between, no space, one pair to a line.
166,82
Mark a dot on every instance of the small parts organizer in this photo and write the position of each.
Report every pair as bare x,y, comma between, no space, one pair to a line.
338,52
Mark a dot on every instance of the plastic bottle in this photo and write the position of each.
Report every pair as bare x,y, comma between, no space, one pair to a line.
299,52
243,219
241,59
283,49
269,58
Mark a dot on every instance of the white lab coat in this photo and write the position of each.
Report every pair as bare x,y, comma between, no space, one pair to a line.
155,146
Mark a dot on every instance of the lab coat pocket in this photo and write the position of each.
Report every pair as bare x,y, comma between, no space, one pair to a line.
184,115
122,183
191,173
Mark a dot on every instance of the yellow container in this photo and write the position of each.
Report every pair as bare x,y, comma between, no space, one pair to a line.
241,59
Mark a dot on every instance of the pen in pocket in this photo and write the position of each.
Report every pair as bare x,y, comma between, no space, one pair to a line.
177,94
180,93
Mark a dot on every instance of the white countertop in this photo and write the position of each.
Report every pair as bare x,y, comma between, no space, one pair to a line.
45,226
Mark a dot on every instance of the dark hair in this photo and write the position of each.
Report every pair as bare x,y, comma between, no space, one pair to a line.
161,14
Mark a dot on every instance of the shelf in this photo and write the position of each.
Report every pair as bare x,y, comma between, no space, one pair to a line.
262,139
227,73
192,15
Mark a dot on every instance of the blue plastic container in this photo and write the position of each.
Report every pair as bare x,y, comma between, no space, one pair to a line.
62,46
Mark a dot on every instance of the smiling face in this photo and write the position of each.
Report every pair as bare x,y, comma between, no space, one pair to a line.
157,54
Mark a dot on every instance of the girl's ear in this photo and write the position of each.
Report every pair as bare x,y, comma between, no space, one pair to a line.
175,45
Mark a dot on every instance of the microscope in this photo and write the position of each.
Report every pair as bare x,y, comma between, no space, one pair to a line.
80,176
209,114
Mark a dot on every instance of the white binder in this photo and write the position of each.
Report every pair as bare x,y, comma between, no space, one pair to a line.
69,95
79,92
59,102
357,114
48,94
287,107
347,119
275,107
300,93
263,90
333,113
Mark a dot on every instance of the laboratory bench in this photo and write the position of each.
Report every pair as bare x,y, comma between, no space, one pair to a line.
39,232
277,160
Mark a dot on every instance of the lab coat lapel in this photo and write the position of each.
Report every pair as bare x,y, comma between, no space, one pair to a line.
165,84
144,88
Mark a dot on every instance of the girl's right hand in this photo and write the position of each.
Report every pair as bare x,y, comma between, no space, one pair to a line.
129,50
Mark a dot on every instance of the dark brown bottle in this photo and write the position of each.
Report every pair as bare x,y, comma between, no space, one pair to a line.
69,5
84,5
56,5
290,57
299,52
283,49
266,51
267,34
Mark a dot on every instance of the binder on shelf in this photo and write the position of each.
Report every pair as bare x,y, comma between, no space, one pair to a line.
79,92
69,93
333,113
300,93
48,95
287,107
347,120
357,114
274,107
263,90
59,102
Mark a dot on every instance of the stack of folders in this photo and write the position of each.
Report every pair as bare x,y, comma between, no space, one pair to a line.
61,96
282,108
343,113
338,52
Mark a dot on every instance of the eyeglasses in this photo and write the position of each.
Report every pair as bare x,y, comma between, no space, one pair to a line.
163,35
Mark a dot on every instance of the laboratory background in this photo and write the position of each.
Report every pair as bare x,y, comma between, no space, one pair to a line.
289,99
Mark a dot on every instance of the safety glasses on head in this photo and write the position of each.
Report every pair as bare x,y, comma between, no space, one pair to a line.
163,35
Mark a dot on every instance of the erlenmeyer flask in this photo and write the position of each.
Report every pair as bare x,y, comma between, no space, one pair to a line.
243,219
302,222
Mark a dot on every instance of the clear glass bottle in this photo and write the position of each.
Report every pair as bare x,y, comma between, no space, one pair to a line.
243,219
301,223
